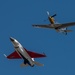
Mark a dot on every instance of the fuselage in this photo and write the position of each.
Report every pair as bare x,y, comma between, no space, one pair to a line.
51,19
21,51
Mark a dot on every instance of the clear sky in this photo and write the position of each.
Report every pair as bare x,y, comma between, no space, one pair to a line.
16,19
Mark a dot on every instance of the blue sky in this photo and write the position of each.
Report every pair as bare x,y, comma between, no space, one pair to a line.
16,19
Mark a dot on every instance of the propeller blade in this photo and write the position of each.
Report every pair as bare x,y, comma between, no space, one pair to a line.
53,15
48,13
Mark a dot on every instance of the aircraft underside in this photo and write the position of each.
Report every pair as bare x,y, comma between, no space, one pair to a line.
26,62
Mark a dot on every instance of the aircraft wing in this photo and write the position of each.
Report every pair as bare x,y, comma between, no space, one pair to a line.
35,55
42,26
14,55
66,25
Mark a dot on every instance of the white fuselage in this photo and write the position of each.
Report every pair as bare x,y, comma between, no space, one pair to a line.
21,51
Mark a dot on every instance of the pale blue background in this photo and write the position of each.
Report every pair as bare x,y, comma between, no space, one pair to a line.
16,19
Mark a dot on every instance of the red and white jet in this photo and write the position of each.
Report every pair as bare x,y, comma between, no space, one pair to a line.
21,53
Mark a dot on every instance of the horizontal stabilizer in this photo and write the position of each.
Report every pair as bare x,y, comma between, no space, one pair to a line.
38,64
68,30
24,65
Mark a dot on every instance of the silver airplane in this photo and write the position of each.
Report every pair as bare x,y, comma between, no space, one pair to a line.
21,53
58,27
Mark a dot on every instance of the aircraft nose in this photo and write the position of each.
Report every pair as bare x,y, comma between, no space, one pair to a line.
11,39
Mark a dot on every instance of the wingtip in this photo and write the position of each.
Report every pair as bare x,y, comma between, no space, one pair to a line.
5,55
36,26
44,54
33,25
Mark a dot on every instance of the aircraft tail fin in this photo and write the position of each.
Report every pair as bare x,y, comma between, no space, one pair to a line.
38,64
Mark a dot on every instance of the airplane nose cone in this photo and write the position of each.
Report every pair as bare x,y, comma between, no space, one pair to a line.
11,39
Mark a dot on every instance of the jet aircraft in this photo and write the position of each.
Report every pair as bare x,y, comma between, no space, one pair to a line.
58,27
21,53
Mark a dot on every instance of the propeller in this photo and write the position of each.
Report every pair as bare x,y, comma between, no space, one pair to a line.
49,14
